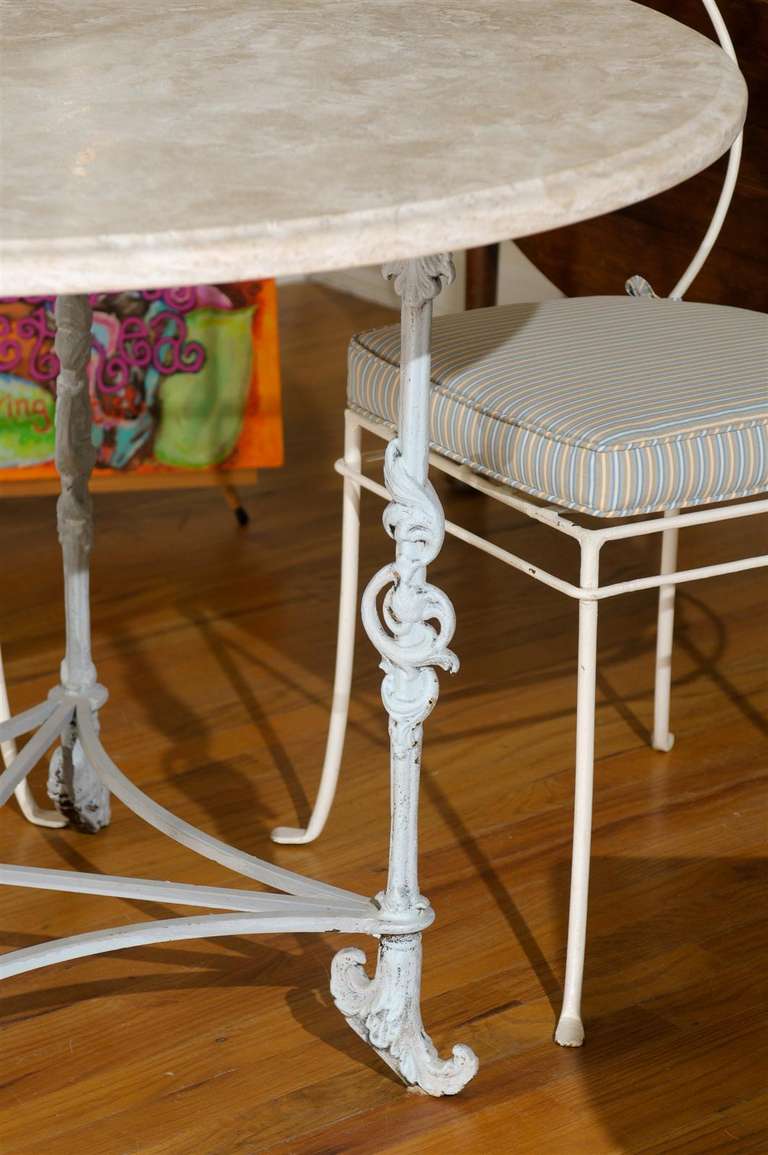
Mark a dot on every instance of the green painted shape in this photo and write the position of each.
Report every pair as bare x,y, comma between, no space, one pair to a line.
201,414
27,423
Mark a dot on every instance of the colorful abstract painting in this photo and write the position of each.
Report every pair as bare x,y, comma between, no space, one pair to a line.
179,379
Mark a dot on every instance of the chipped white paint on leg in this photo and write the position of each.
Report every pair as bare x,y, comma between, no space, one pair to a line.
412,635
72,783
385,1012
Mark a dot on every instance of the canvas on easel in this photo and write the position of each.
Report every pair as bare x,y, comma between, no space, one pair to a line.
184,386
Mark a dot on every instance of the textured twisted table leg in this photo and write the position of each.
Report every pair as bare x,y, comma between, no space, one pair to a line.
412,633
72,782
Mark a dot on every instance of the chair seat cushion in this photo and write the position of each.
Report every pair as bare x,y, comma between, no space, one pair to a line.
609,405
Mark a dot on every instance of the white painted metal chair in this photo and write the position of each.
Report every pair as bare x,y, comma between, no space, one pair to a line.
607,406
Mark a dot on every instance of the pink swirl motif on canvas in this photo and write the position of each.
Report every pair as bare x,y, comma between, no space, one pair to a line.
11,348
120,347
190,297
44,363
182,300
15,334
171,351
109,369
134,342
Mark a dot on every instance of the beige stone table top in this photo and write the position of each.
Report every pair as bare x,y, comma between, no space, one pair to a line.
147,143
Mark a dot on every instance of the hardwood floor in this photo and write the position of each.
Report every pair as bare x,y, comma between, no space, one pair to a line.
217,647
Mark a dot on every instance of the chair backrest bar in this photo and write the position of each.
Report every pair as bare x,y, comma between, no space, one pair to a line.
731,175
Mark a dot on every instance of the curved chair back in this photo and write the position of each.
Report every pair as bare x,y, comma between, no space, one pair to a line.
638,286
732,172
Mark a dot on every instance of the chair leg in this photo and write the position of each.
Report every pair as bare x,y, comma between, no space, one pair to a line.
662,738
345,648
570,1032
33,813
235,503
482,275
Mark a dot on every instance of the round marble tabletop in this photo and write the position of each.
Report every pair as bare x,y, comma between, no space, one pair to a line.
150,144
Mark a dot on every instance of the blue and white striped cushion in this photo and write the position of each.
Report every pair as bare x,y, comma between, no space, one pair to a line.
609,405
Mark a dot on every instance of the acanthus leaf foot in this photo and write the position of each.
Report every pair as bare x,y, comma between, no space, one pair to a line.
76,789
384,1011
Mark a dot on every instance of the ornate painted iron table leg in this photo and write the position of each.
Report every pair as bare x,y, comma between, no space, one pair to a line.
385,1010
72,782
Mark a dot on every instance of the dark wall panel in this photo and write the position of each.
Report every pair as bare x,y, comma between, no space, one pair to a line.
658,237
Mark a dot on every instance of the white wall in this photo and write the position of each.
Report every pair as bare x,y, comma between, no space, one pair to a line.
519,280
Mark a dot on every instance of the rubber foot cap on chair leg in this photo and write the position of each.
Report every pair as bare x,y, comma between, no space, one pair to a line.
664,744
570,1031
